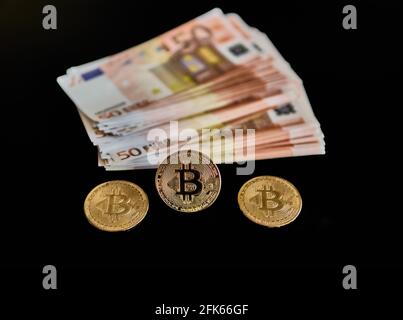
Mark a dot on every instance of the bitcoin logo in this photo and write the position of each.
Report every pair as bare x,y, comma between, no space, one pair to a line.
190,186
270,201
116,205
189,182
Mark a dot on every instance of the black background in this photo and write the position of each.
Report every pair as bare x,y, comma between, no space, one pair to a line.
350,213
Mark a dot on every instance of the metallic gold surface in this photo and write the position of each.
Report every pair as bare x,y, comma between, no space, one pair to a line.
116,205
188,181
270,201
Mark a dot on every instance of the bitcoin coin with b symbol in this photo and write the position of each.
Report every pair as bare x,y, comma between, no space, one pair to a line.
188,181
270,201
116,205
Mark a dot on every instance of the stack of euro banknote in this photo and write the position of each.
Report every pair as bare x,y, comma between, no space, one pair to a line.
214,72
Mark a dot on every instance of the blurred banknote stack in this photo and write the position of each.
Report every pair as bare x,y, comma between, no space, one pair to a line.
214,72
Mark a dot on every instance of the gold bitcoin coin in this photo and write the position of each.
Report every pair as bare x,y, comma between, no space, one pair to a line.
270,201
116,205
188,181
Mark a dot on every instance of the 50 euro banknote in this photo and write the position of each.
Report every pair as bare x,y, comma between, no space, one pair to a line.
286,124
193,53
